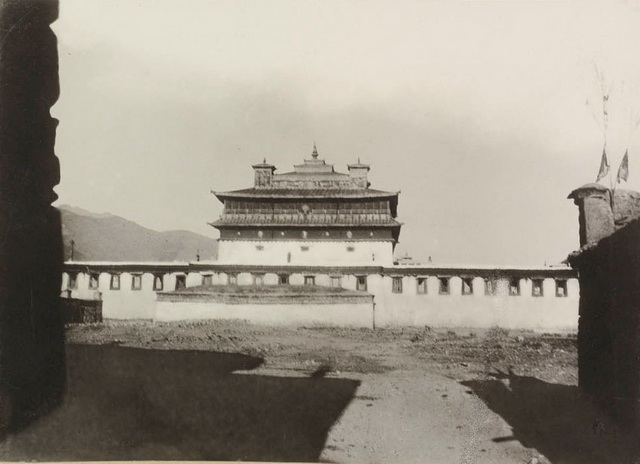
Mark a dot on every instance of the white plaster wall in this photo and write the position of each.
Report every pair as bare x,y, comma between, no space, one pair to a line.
319,253
346,315
546,313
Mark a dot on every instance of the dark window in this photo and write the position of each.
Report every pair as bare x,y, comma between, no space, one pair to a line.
73,280
304,248
207,279
283,279
136,282
467,286
115,282
351,248
561,288
233,279
536,287
397,285
490,287
259,247
158,282
422,285
309,280
514,286
361,283
94,281
336,281
444,285
181,282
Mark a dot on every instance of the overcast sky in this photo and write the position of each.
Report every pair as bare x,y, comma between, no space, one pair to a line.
485,115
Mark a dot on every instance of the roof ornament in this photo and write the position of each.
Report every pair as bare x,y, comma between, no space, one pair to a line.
314,155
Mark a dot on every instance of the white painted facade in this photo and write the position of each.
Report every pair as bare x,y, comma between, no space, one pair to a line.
403,305
339,315
305,252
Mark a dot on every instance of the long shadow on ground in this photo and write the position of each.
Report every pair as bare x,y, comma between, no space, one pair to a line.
134,404
555,420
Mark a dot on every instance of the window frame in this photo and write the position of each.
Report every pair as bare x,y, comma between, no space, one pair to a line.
94,277
422,285
207,279
362,285
309,280
444,285
134,278
562,283
466,286
114,281
181,278
537,283
517,286
283,279
396,285
336,279
157,288
72,280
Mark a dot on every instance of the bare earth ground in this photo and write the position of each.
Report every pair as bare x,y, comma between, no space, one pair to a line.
233,391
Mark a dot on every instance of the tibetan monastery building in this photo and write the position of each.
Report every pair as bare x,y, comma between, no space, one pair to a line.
315,247
311,216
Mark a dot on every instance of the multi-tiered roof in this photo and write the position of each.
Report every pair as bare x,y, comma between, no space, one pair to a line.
313,196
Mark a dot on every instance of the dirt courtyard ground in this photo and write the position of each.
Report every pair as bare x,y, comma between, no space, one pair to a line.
234,391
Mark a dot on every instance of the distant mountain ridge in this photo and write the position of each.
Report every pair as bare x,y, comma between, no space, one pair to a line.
107,237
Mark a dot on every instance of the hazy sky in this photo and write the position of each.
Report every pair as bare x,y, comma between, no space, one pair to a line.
484,114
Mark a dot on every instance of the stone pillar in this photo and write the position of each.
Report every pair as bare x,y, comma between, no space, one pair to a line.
596,215
32,361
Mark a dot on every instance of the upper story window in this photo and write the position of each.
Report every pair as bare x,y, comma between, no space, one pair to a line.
467,286
422,285
258,279
536,287
94,280
490,287
351,249
397,285
514,286
207,279
304,248
309,280
561,288
158,282
72,283
259,247
444,285
136,281
233,279
181,281
361,283
336,281
283,279
115,282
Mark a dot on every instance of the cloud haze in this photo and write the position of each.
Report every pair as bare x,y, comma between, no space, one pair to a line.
475,111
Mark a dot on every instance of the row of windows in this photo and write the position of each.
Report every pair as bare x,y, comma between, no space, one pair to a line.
231,206
490,286
136,282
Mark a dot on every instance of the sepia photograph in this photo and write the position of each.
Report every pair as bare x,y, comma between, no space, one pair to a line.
337,231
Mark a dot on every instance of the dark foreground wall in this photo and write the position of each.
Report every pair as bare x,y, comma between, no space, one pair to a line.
609,324
32,374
